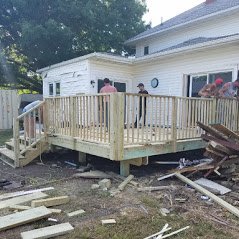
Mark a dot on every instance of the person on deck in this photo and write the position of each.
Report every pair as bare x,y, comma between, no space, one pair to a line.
211,90
142,104
229,90
106,89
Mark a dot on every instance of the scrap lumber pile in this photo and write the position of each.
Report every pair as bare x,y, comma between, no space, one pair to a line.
223,148
38,209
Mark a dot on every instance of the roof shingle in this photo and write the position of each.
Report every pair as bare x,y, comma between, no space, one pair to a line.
199,11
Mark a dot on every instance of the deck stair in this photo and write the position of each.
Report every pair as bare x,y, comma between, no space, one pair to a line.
20,150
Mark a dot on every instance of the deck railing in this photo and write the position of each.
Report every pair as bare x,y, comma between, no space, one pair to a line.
28,130
122,119
85,117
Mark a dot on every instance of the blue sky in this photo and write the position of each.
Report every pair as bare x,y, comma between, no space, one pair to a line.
167,9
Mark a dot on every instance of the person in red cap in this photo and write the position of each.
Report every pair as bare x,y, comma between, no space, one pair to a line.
211,90
230,89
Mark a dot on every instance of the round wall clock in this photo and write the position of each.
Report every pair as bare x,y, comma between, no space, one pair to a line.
154,82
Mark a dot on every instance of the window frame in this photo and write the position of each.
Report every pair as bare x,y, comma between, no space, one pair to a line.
57,94
207,75
146,50
49,91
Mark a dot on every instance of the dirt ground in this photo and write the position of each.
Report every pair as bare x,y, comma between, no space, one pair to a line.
137,213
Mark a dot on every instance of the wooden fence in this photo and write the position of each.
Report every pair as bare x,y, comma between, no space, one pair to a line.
9,103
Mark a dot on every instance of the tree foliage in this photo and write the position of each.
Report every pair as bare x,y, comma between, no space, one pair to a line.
37,33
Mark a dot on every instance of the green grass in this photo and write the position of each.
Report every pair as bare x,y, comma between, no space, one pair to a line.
148,225
5,135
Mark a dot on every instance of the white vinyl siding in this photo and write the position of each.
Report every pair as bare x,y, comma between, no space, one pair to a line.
116,72
73,79
170,71
215,27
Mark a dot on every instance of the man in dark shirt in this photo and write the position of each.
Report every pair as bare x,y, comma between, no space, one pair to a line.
142,100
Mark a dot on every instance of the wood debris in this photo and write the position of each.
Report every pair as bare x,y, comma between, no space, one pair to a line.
108,221
76,213
20,218
49,202
204,191
125,182
151,189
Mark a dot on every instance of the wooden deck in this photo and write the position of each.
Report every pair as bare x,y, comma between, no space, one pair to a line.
104,125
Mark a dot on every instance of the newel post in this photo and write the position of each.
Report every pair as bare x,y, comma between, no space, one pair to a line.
16,136
174,122
116,112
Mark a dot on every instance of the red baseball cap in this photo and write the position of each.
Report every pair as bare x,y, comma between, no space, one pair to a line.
219,81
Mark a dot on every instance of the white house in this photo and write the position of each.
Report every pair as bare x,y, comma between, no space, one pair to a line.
181,55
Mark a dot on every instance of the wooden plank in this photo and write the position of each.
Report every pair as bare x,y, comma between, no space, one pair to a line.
20,218
222,129
49,202
151,189
21,193
166,176
75,213
48,232
212,185
22,208
230,145
192,168
211,131
175,232
21,199
164,229
125,182
108,221
215,198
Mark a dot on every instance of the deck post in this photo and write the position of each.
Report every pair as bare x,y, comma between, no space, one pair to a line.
117,126
82,157
124,168
174,123
16,142
214,111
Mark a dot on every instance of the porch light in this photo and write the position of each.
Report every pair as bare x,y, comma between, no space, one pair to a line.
92,82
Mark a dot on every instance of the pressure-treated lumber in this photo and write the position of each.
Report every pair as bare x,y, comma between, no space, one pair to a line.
166,176
21,193
75,213
108,221
48,232
125,182
151,189
21,199
49,202
22,208
215,198
212,185
20,218
164,229
175,232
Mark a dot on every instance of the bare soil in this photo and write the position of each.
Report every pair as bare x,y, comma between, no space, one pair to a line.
137,214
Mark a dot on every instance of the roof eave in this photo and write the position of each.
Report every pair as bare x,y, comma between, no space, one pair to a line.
186,49
95,55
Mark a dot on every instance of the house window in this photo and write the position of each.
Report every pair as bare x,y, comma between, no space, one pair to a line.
146,50
58,88
51,89
198,81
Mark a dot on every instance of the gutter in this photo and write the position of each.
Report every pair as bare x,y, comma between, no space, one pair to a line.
133,41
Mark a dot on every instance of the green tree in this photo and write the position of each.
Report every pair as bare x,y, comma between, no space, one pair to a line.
37,33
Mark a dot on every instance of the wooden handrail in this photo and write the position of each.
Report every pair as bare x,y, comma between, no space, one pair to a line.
31,110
